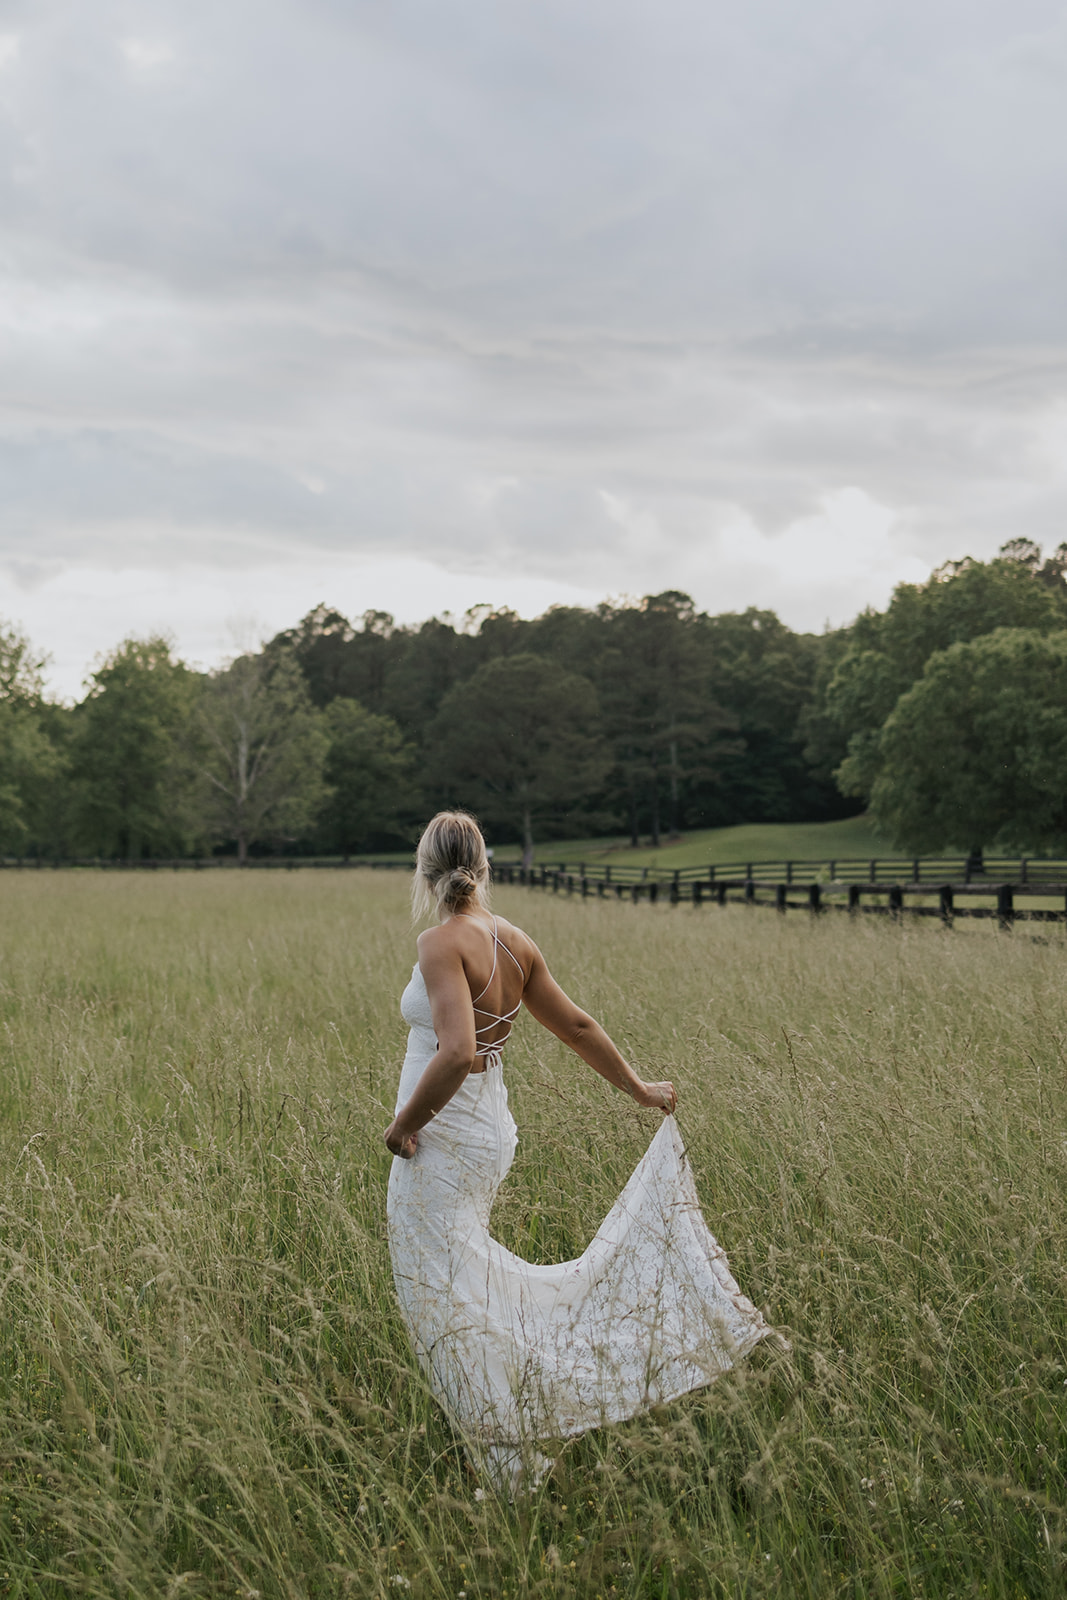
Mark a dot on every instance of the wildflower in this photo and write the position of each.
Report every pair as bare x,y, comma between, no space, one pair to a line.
398,1581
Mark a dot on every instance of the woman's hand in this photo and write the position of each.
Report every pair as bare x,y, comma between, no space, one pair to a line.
400,1143
657,1097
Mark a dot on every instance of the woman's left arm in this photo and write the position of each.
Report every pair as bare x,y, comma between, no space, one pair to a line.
453,1022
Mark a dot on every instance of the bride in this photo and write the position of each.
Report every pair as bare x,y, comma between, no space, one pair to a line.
517,1353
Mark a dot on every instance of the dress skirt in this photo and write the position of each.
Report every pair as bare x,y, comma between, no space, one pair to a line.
517,1353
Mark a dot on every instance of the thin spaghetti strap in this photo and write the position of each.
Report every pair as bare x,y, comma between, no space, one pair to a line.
508,951
497,941
484,1050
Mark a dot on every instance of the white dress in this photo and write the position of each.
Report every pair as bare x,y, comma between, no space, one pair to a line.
518,1353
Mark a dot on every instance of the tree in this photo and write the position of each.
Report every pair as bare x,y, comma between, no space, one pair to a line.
369,768
30,763
764,676
262,750
975,753
517,740
662,718
131,781
887,652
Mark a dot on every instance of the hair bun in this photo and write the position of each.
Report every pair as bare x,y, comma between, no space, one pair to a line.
457,885
451,864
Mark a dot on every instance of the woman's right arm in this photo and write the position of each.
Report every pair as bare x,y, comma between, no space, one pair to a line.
556,1011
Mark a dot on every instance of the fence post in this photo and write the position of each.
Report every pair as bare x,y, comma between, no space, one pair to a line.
674,895
789,872
720,893
853,899
750,889
947,904
1023,869
635,892
833,871
780,902
653,892
915,869
607,873
815,898
698,893
1005,906
585,884
896,900
748,869
874,872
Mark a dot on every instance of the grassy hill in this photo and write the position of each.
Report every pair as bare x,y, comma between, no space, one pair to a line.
754,841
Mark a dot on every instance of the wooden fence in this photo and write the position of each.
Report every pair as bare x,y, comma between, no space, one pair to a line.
802,888
1009,889
935,870
197,863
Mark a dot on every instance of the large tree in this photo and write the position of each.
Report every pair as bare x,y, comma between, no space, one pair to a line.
660,712
262,751
516,741
131,787
887,651
975,753
30,762
370,771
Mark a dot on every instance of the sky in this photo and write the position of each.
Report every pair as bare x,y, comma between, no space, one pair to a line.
414,307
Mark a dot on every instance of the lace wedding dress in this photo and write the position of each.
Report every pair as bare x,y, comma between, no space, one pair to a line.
518,1353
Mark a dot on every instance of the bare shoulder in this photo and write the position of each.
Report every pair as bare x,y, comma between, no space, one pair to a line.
519,943
439,946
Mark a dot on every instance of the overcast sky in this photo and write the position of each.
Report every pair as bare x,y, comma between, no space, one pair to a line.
411,305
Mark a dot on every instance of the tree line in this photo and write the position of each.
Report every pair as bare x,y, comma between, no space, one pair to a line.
946,714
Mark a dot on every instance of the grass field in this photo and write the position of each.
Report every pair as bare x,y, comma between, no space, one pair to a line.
752,841
206,1388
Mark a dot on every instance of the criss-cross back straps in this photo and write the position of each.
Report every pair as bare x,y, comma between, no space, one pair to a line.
484,1048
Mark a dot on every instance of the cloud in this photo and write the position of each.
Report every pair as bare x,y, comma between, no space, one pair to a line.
612,296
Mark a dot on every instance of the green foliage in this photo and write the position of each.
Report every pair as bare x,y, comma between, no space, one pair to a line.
31,763
205,1385
975,753
887,651
660,716
261,752
517,740
131,782
766,674
370,771
702,715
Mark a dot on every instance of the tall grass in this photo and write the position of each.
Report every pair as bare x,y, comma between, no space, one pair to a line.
205,1385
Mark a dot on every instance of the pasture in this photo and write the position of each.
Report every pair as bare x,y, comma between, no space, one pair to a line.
205,1386
849,837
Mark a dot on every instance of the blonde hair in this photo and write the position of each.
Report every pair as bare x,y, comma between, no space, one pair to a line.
451,866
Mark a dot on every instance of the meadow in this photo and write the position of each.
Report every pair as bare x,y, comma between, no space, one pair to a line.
849,838
205,1385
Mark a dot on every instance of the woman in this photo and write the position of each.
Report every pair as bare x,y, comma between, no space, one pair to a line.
518,1353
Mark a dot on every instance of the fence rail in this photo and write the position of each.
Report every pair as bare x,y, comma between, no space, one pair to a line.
935,870
1011,901
924,886
197,863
